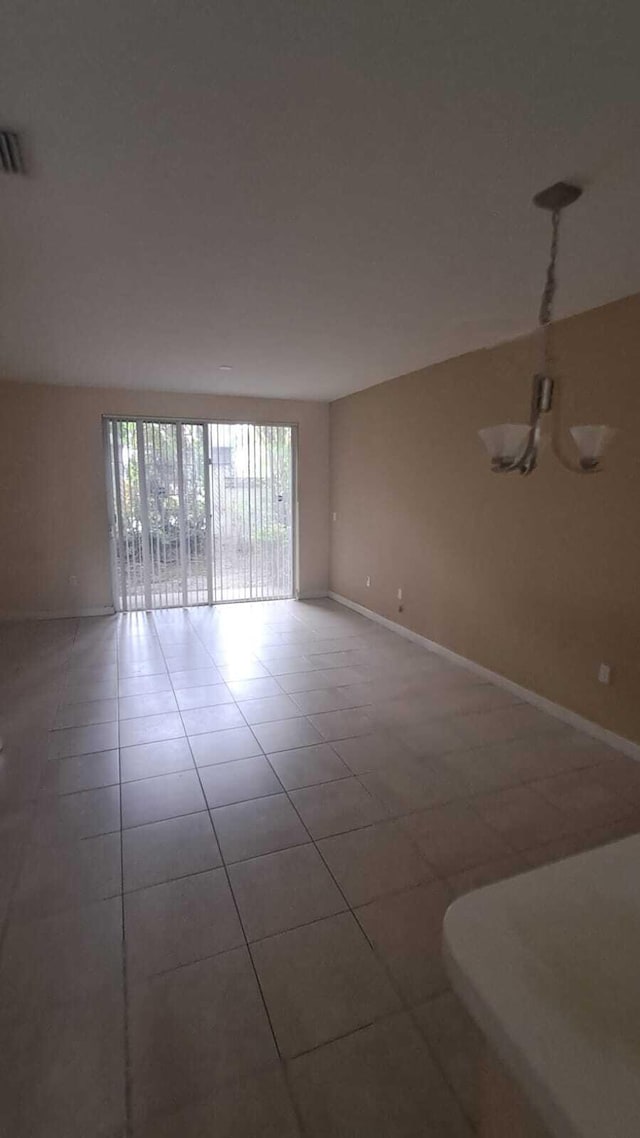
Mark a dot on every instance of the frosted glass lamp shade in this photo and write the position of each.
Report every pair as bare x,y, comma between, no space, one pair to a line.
505,442
592,442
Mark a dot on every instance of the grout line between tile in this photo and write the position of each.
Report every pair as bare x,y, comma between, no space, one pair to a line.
238,913
128,1074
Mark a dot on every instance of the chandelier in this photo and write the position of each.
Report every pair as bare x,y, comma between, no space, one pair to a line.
516,446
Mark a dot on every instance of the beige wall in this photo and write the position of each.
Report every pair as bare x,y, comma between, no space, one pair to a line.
536,578
53,511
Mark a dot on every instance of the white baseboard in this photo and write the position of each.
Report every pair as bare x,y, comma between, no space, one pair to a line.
311,596
60,614
603,734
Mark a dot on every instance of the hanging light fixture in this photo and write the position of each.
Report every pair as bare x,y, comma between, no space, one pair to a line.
516,446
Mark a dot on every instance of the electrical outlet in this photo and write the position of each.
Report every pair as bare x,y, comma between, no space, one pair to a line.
604,674
399,594
334,516
73,580
368,582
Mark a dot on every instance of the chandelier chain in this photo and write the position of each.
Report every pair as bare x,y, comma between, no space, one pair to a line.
545,316
548,295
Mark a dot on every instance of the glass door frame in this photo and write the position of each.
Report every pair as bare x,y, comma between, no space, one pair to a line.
114,523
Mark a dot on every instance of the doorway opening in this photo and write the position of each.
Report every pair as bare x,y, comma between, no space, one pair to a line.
200,512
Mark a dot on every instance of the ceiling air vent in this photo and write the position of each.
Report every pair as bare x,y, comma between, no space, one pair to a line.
11,161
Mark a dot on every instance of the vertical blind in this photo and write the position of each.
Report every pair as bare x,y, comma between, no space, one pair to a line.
200,512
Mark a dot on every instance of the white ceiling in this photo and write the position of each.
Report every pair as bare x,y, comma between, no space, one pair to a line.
321,193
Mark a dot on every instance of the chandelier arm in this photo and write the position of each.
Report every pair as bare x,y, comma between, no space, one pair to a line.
527,460
574,467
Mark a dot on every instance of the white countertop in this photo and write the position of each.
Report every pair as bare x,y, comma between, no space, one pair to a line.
548,964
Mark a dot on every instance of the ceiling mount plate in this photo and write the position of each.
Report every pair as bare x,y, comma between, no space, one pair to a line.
11,157
558,196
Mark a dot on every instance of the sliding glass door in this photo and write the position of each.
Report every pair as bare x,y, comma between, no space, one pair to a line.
200,513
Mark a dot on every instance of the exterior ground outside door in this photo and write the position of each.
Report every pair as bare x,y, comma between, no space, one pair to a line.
200,513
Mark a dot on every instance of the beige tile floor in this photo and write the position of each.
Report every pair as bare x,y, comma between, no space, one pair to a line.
227,841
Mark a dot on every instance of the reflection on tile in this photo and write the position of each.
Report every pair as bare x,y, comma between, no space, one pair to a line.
143,685
373,861
180,921
333,807
88,691
281,890
83,740
258,827
63,1067
458,1047
523,817
305,681
81,772
286,734
257,1106
379,1081
85,714
151,703
337,659
249,670
224,746
481,770
406,931
270,709
287,665
622,776
167,796
454,838
239,781
469,879
579,841
194,1029
502,724
150,729
175,847
584,798
325,699
254,689
62,957
411,783
206,719
195,677
320,981
149,759
210,696
77,872
134,668
342,724
306,766
187,661
69,817
364,753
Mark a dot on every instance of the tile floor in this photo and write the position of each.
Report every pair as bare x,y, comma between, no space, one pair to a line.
227,841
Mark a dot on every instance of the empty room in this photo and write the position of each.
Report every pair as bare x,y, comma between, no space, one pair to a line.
319,569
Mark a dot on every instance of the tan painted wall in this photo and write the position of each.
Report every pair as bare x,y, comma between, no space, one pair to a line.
536,578
53,510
